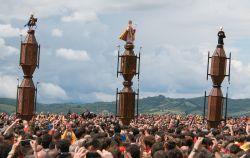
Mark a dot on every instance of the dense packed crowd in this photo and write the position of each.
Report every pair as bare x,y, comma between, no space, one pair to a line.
104,136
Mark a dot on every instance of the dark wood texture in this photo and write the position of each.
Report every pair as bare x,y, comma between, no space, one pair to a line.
218,66
215,107
26,91
215,98
26,99
126,97
128,66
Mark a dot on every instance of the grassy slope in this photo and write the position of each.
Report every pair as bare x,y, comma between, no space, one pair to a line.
157,104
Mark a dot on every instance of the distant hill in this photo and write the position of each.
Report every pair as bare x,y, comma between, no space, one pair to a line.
157,104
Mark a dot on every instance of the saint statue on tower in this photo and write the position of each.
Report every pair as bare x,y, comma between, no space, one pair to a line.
221,35
129,34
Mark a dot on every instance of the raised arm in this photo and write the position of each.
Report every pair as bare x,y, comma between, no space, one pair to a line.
196,148
33,145
8,130
248,128
231,129
14,147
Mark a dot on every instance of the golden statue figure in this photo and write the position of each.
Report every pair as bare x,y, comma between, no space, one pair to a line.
129,34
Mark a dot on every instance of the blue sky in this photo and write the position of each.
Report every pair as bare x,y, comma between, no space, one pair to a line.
79,46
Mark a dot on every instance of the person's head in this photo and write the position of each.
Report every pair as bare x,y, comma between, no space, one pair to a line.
133,150
240,153
204,153
170,145
39,141
131,137
185,150
159,136
69,136
189,142
46,139
25,150
1,124
93,154
38,133
68,127
79,132
92,144
52,145
156,147
149,141
160,154
116,153
247,155
117,129
105,143
9,138
226,130
62,146
118,139
5,149
234,149
174,153
135,131
56,136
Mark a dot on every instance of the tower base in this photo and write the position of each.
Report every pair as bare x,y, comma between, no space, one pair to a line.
213,124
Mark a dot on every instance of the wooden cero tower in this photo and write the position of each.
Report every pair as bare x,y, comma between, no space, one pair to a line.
125,99
29,60
217,72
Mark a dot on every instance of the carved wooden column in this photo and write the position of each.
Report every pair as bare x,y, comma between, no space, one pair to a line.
29,60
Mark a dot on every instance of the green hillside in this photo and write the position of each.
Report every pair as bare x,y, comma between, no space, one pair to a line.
157,104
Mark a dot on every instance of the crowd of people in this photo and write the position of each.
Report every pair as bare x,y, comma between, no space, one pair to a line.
104,136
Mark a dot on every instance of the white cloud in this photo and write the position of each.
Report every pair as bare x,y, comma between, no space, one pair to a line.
237,65
8,86
171,69
104,97
240,77
80,16
6,50
174,55
49,92
70,54
57,32
79,10
6,30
